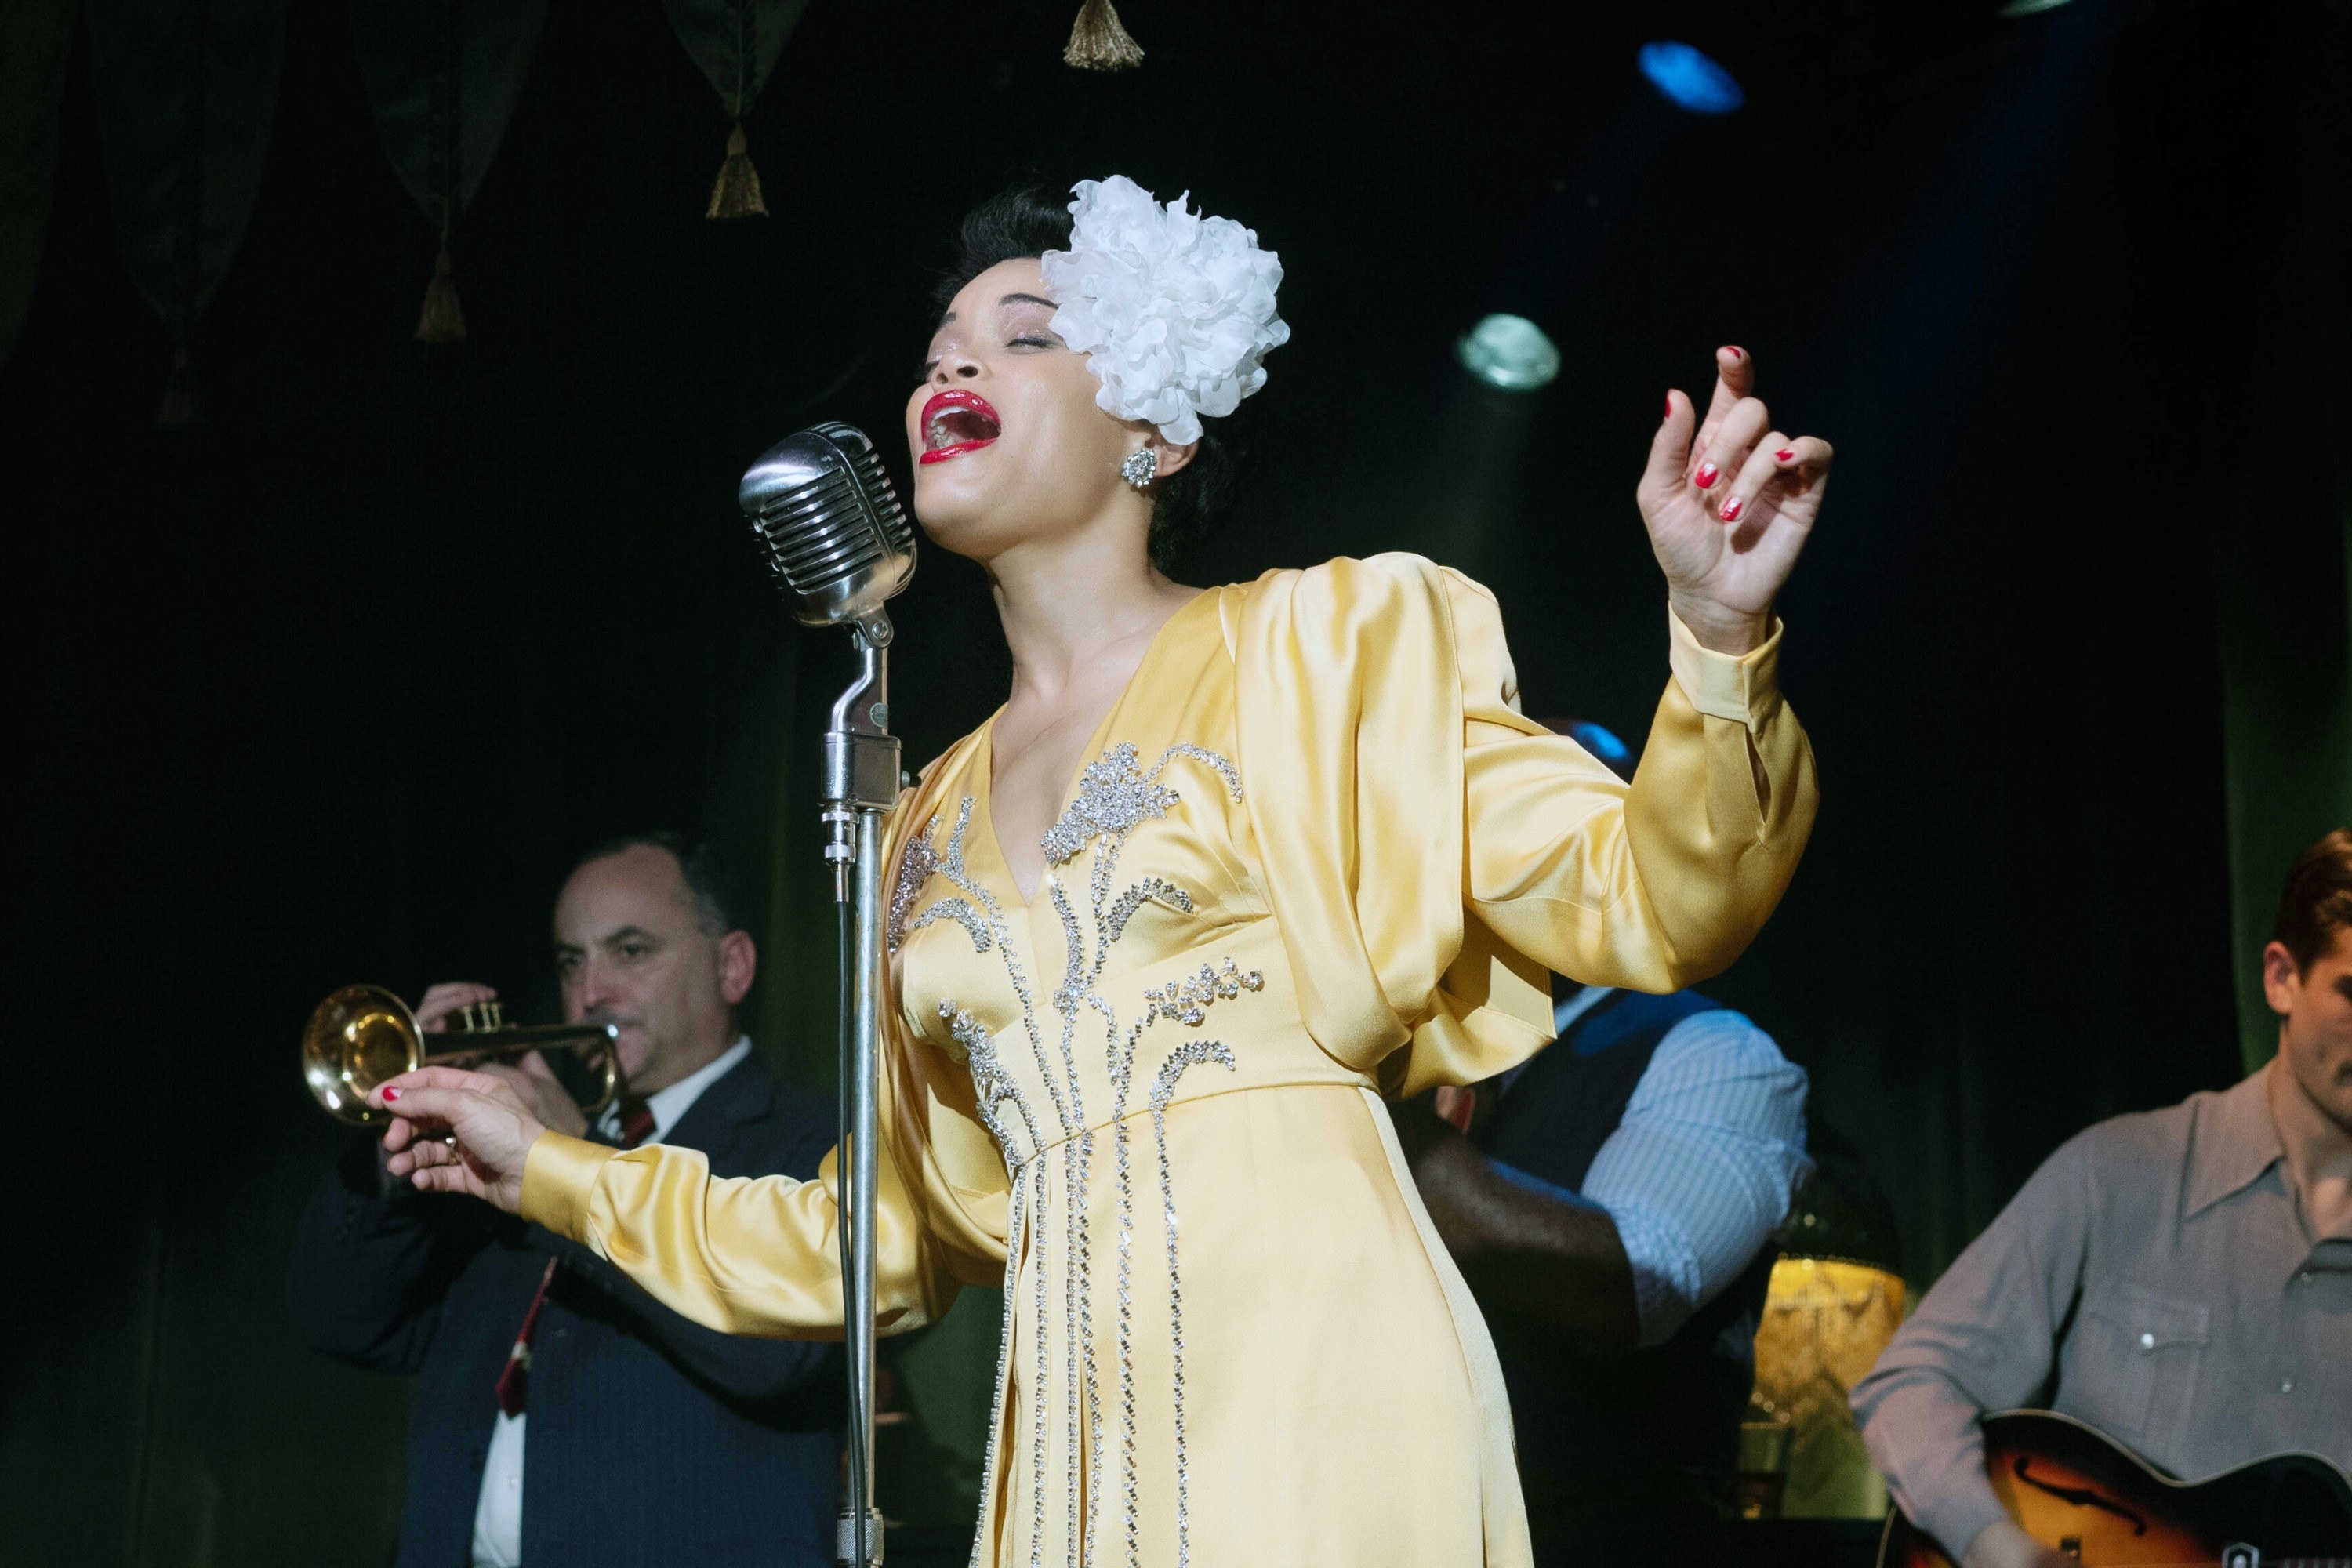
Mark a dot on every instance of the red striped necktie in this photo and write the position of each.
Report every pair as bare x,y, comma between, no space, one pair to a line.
513,1388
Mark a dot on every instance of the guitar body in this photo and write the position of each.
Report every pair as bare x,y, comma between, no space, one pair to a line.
2073,1488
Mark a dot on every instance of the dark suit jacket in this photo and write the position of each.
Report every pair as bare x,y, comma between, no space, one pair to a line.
652,1439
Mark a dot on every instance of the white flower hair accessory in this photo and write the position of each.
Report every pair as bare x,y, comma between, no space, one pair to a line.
1174,310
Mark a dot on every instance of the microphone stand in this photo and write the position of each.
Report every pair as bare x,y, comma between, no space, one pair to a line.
861,784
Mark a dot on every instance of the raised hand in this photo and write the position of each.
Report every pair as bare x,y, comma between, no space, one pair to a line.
433,1012
1729,505
490,1128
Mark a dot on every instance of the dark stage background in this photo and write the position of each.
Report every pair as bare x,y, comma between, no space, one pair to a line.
333,688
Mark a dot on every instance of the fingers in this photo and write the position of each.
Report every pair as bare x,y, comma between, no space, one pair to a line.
481,1082
515,1077
424,1153
1669,452
1809,457
440,1001
1734,378
1784,470
456,1177
1726,454
1772,454
426,1107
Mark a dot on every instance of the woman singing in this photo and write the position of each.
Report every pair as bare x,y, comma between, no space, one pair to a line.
1226,869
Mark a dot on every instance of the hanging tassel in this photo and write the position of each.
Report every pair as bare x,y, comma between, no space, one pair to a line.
737,194
441,321
181,408
1097,42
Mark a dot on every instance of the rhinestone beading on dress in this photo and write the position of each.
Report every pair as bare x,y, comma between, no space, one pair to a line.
1163,1091
916,864
916,867
1115,797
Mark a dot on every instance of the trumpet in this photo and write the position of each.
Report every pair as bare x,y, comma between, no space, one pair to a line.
363,1035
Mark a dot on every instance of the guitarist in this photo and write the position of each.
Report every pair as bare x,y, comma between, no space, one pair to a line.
2179,1279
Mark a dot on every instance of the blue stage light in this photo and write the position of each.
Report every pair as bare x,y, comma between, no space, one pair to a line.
1600,743
1509,352
1689,80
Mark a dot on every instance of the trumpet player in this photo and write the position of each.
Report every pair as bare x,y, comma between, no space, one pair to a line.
559,1415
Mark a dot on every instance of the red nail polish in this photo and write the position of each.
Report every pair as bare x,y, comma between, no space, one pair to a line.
1732,510
391,1094
1705,477
1670,405
1786,454
1734,351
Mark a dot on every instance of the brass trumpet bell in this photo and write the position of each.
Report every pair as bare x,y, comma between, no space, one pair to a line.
363,1035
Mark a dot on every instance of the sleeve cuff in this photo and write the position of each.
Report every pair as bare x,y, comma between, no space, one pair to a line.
1664,1274
1957,1523
1746,689
559,1178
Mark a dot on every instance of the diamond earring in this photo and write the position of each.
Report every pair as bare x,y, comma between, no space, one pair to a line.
1140,468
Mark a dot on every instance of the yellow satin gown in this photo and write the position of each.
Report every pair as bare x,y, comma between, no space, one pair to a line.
1315,857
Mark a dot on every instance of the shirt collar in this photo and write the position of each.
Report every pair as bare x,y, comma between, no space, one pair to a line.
670,1105
2234,1141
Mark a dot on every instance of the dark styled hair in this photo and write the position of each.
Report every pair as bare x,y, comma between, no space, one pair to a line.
2318,902
1190,504
717,903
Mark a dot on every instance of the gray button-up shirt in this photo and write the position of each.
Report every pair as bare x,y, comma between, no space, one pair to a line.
2157,1279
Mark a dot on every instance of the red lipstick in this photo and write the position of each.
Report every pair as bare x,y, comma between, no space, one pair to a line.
955,422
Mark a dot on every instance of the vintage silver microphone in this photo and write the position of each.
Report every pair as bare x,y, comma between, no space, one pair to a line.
840,544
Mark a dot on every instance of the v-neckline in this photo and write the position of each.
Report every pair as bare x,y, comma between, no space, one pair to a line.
984,789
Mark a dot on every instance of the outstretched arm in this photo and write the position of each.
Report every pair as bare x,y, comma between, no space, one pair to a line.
736,1364
755,1256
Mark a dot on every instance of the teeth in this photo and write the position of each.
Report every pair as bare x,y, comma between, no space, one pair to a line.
957,423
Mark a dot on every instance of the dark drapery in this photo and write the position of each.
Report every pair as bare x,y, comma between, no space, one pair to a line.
32,75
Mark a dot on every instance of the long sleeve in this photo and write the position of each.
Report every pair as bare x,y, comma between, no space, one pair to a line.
1983,1337
735,1364
760,1255
1432,853
1655,884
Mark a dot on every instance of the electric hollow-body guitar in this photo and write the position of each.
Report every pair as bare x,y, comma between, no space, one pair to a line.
2077,1491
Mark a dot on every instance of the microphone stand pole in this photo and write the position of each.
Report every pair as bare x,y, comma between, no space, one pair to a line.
861,784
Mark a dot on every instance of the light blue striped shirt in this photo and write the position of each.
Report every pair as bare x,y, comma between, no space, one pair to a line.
1704,1163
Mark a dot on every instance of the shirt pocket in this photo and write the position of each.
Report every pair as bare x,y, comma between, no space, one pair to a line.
2136,1359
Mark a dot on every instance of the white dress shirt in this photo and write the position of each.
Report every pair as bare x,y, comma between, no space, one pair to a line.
497,1514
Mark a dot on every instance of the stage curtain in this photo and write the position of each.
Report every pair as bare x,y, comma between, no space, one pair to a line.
32,74
443,80
735,44
2283,561
186,91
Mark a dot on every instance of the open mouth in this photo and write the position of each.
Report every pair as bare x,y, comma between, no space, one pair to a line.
956,422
